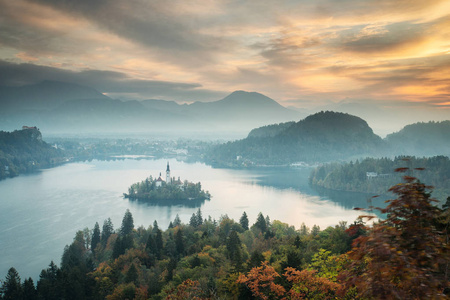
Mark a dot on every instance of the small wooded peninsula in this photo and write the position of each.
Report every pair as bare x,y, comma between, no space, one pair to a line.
171,189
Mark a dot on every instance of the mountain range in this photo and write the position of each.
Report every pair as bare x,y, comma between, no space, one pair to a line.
59,107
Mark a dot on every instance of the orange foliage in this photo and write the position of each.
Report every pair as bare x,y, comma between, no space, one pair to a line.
399,257
188,289
260,281
306,285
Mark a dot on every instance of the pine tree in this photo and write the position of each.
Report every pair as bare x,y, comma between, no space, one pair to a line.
127,223
107,230
151,245
234,248
12,288
199,217
193,221
244,221
179,242
132,274
29,290
159,243
261,223
95,237
177,221
155,227
47,286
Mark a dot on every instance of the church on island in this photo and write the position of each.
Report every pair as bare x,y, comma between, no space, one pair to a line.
169,190
169,180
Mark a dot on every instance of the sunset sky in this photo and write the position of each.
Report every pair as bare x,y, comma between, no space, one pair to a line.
300,53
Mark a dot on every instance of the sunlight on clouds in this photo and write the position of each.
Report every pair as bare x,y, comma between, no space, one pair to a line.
420,90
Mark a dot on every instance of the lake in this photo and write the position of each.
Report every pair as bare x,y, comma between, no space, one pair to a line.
41,212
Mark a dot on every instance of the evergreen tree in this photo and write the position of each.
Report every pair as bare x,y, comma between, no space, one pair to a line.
261,223
159,243
177,221
29,290
127,223
234,248
132,275
47,285
256,258
244,221
118,248
199,217
107,230
95,237
193,221
12,288
151,245
155,227
179,242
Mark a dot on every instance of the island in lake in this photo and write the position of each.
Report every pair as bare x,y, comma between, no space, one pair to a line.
172,190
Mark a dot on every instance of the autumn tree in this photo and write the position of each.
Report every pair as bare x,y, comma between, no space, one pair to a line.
261,282
399,257
307,285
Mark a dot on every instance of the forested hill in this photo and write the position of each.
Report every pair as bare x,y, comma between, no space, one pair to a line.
376,175
269,130
24,150
321,137
432,138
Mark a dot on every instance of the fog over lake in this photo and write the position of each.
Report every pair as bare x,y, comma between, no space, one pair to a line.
41,212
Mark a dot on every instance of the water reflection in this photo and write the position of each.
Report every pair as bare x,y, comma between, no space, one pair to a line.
194,203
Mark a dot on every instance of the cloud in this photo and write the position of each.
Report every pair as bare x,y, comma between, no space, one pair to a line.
318,51
160,26
109,82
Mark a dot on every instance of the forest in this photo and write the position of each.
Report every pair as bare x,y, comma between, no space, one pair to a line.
405,256
24,151
373,175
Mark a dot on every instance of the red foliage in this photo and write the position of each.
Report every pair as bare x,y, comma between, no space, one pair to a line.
399,257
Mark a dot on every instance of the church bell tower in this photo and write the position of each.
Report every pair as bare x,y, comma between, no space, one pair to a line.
168,179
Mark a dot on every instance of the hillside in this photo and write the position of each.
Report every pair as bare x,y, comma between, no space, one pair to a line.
321,137
269,130
375,175
432,138
23,150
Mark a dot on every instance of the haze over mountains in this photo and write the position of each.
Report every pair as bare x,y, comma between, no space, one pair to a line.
60,108
57,107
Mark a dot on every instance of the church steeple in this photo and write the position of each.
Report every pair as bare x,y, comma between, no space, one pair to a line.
168,180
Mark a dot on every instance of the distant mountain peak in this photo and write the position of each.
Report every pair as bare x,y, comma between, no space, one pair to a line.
249,98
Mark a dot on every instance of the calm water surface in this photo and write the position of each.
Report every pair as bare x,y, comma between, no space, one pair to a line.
41,212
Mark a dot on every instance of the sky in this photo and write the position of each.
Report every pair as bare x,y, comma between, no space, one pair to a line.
301,53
